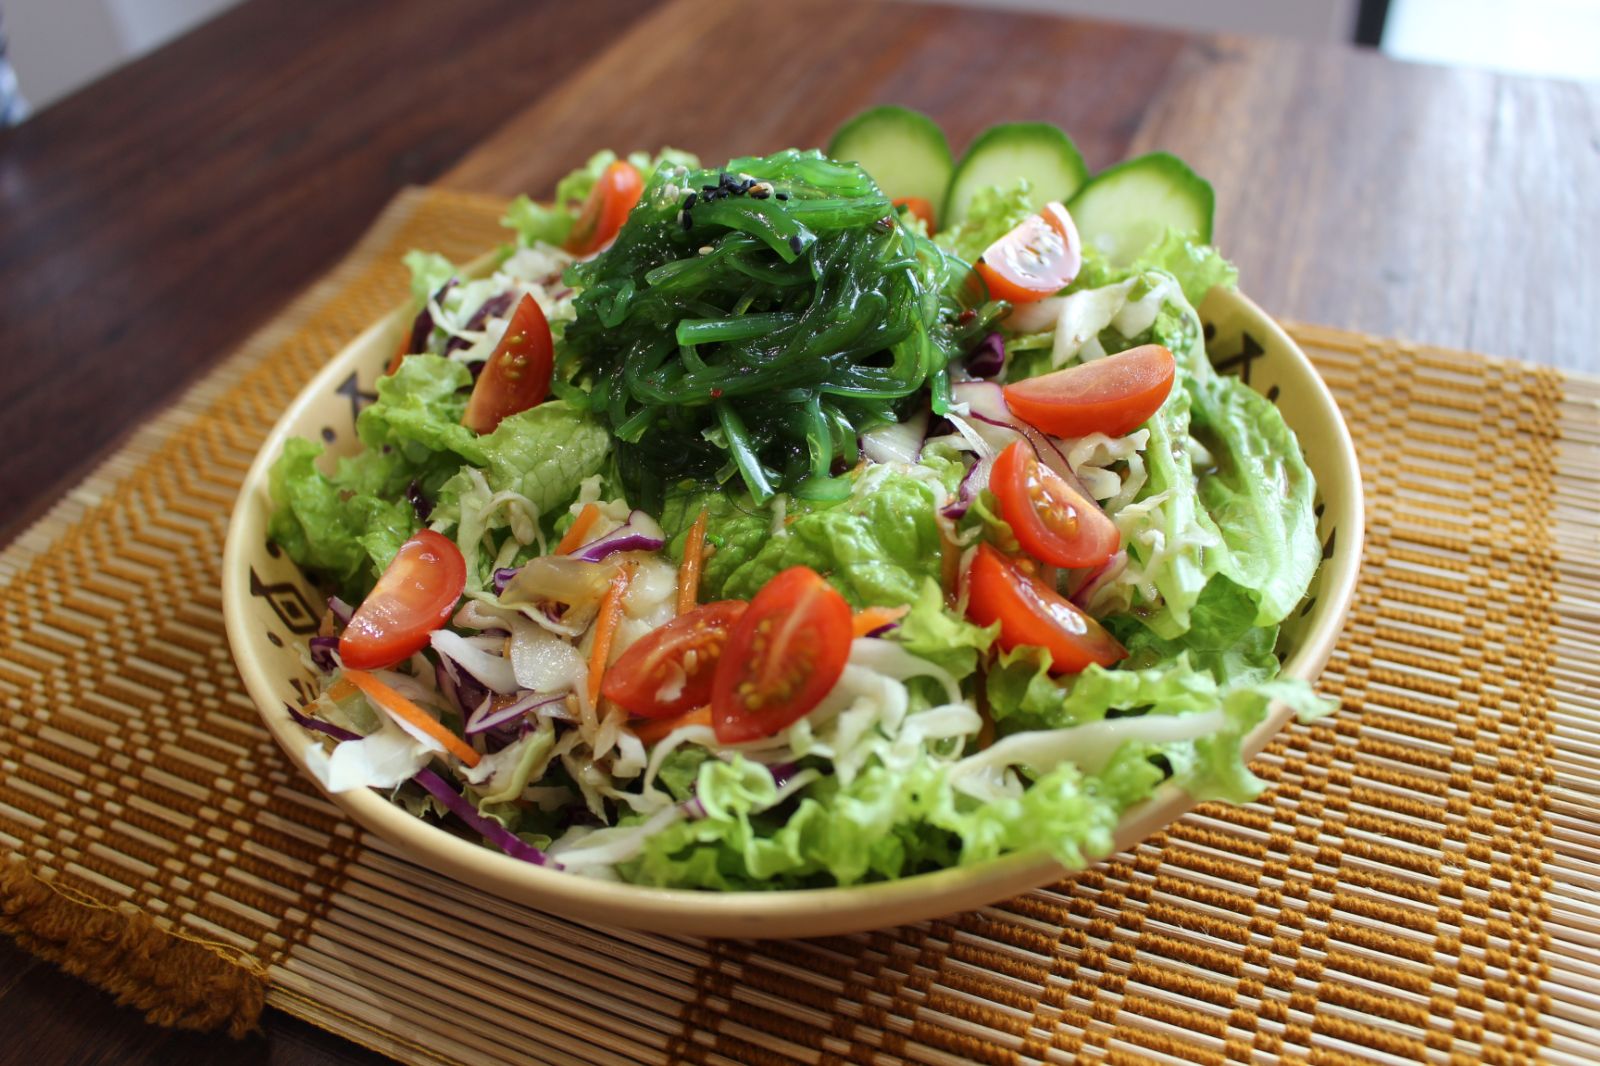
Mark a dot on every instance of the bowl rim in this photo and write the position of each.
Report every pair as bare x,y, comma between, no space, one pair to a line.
753,912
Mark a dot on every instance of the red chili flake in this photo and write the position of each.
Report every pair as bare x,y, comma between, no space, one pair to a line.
716,394
966,316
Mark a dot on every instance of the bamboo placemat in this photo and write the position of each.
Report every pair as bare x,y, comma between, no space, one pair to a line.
1420,884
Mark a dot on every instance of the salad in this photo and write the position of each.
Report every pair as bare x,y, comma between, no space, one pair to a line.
811,519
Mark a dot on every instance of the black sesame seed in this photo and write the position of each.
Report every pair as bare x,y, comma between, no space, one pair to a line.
783,196
685,221
795,244
689,203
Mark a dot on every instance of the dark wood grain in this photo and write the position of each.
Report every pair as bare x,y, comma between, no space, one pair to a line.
706,76
1447,207
149,222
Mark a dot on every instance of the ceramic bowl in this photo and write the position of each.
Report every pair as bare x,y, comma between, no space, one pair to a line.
271,609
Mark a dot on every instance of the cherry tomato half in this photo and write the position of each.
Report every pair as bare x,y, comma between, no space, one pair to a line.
1031,613
517,373
619,187
669,670
1114,395
783,656
919,207
1038,258
416,595
1052,521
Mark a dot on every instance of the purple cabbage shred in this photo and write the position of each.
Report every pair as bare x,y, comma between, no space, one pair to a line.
494,305
488,828
988,358
317,725
322,649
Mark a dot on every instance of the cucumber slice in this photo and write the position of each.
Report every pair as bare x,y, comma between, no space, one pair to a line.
904,150
1037,151
1130,206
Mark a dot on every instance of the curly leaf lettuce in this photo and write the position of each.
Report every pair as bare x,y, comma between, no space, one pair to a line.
534,222
878,546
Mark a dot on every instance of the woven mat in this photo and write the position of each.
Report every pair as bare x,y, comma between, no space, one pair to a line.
1419,885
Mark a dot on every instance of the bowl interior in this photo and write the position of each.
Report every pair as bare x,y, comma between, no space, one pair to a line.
271,609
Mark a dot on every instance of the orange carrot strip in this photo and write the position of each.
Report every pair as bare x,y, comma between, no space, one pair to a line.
652,730
694,553
339,690
869,618
605,627
949,568
400,707
579,530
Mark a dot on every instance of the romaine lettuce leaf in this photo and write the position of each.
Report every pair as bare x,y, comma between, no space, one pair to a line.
1259,493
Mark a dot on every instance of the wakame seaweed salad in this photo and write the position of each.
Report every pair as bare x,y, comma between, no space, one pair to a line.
752,321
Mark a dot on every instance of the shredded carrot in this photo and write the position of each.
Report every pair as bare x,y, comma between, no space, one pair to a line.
654,729
870,618
578,532
400,707
605,627
949,568
694,554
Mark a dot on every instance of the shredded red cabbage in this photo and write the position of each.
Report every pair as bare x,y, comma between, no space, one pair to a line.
419,503
494,306
638,533
322,649
988,358
491,830
484,718
422,325
317,725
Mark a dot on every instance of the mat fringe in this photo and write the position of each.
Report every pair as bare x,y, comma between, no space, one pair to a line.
178,981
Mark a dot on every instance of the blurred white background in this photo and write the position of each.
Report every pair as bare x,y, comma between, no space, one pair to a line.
59,45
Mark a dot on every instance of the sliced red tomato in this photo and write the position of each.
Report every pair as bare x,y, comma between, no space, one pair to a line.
1032,613
919,207
669,670
416,595
517,373
1038,258
619,187
783,656
1114,395
1052,521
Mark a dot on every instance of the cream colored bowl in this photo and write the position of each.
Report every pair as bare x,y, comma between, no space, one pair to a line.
271,609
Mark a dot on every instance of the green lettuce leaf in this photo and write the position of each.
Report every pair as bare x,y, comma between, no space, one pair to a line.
1197,267
1259,493
347,526
878,546
418,412
429,271
535,461
551,223
934,632
993,213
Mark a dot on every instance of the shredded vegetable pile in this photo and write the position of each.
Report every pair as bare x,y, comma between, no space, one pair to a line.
771,525
751,321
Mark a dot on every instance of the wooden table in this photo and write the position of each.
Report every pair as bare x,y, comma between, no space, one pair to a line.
148,223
